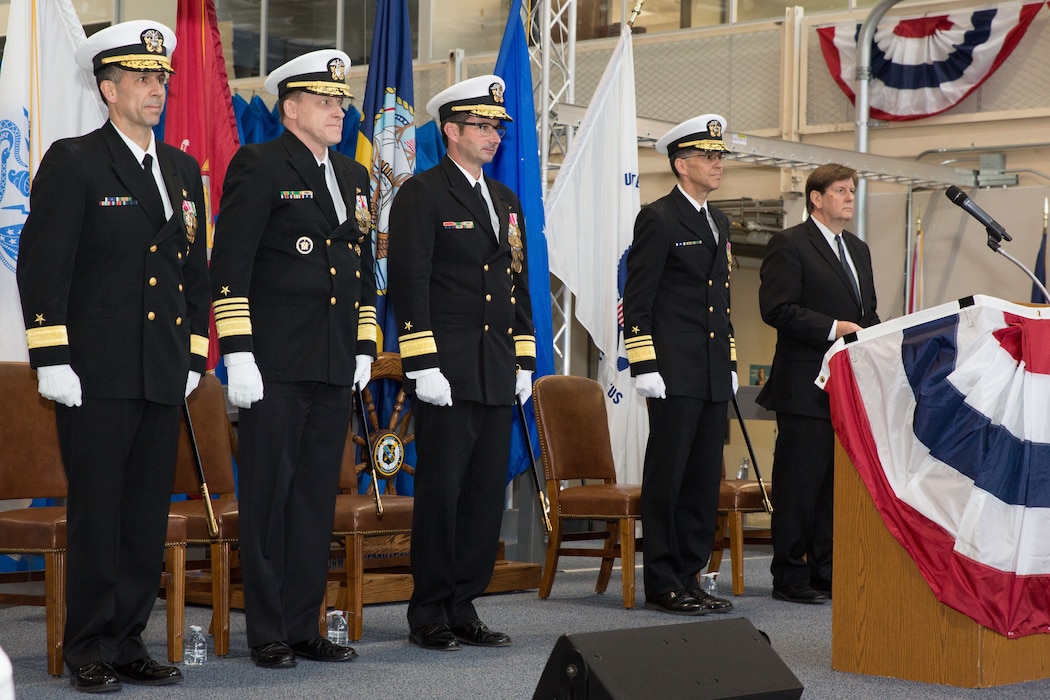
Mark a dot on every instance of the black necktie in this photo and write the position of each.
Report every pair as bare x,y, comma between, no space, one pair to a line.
706,224
481,196
846,268
154,193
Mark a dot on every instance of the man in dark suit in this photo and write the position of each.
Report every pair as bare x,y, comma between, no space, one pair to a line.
816,287
680,345
112,272
459,286
294,294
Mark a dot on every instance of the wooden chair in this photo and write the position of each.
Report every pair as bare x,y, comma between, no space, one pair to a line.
735,498
367,540
31,467
575,445
211,427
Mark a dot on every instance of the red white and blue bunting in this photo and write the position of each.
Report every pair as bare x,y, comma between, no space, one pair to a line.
925,65
944,414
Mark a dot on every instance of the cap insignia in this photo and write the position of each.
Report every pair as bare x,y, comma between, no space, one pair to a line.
153,40
338,69
714,127
496,90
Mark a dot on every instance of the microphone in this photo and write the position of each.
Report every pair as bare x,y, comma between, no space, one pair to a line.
962,200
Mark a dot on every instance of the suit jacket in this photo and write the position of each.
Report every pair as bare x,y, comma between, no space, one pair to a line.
290,283
460,298
803,291
676,300
107,285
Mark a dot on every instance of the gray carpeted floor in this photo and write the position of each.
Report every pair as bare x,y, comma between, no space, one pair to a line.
389,667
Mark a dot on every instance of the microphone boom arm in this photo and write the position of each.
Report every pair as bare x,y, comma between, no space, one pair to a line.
993,243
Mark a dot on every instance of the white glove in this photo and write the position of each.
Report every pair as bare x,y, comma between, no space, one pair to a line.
362,371
60,384
651,385
192,380
523,385
736,383
433,388
244,383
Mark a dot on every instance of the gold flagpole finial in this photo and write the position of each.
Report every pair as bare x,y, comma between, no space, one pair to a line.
634,13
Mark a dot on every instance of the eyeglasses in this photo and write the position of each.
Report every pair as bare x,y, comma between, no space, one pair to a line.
488,129
709,155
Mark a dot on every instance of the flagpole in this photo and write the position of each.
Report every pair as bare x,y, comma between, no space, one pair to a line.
634,13
1046,212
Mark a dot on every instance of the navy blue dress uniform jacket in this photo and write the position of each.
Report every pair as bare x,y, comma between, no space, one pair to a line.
286,273
461,303
804,290
676,300
107,285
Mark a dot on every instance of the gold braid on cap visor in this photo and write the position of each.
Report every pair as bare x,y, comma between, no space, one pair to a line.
319,87
484,111
140,62
704,145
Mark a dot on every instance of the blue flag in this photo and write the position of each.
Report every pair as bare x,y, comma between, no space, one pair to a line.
387,148
1040,273
517,165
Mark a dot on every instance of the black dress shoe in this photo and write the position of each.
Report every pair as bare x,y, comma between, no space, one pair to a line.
146,671
675,603
273,655
476,634
435,636
96,677
799,594
320,649
709,603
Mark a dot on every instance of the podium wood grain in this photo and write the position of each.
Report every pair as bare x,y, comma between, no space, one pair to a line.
886,620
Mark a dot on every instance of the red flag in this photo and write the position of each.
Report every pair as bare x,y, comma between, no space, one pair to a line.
199,118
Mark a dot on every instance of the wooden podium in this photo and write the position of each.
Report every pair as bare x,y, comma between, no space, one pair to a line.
886,621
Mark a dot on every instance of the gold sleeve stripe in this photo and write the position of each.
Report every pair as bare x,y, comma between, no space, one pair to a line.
524,346
199,345
233,305
367,330
642,354
233,326
732,349
638,340
232,317
417,344
46,337
640,349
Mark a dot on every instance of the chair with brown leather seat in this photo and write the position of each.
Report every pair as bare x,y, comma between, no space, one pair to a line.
211,428
575,445
367,539
736,497
31,467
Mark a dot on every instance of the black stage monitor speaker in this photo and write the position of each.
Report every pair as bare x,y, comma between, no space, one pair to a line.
719,659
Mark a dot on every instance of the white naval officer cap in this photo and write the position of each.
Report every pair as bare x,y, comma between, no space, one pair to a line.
704,133
320,72
139,45
481,96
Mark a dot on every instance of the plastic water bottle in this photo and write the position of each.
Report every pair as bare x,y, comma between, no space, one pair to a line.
745,464
196,650
709,583
338,633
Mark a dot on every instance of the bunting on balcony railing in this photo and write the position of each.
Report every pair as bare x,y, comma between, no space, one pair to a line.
925,65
